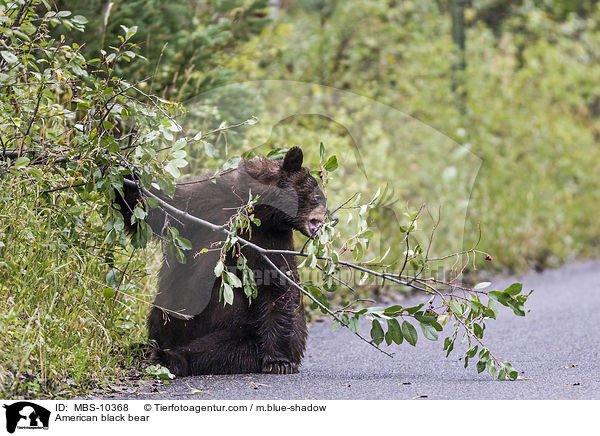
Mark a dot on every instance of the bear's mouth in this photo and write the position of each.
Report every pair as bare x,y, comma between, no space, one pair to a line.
313,225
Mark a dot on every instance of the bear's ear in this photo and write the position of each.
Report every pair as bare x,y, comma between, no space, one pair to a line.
292,161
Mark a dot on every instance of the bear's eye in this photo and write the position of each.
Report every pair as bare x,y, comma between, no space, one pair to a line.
317,197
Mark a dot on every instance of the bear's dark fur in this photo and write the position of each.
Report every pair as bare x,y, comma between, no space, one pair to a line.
266,335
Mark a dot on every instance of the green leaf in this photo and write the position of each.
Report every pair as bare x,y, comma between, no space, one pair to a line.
21,162
331,164
232,163
429,332
227,293
409,333
219,268
425,318
159,372
456,308
376,310
233,280
180,255
437,326
450,346
179,163
112,278
130,32
79,19
353,324
377,332
142,236
490,367
482,285
514,289
152,202
179,154
318,295
172,169
357,252
139,213
209,149
476,306
394,310
471,353
388,338
394,331
250,288
500,297
37,174
184,243
179,145
9,57
518,310
311,261
414,309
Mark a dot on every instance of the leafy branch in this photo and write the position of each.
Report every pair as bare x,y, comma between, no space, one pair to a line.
464,313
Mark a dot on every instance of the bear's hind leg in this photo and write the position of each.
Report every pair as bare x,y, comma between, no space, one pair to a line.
230,351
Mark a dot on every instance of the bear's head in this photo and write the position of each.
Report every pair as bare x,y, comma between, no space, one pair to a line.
289,197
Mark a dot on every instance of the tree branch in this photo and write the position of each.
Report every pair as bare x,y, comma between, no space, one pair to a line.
262,252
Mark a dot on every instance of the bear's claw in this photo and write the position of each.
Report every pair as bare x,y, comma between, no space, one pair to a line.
279,367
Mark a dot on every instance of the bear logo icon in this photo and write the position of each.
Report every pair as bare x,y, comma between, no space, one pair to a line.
24,414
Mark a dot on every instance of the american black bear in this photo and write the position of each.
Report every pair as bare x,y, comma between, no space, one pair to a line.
266,335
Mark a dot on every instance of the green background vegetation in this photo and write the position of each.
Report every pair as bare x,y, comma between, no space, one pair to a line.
527,105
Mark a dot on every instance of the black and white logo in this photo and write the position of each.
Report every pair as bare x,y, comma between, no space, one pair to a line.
26,415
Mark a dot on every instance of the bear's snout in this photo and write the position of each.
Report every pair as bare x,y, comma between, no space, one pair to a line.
334,219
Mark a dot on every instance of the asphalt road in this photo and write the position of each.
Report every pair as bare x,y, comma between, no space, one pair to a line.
557,346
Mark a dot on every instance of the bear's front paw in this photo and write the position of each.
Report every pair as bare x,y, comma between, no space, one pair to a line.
173,361
279,367
158,356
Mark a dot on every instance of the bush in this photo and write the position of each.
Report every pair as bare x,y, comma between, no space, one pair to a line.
71,129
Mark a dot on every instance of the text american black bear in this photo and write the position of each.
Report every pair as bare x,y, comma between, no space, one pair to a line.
267,335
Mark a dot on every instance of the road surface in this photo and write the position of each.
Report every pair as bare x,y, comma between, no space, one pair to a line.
557,346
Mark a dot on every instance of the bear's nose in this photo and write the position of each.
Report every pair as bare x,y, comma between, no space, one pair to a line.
334,220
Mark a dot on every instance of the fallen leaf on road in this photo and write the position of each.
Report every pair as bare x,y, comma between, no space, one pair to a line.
257,385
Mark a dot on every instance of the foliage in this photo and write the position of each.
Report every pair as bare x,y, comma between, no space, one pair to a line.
531,116
71,129
71,282
75,286
159,372
182,43
508,15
